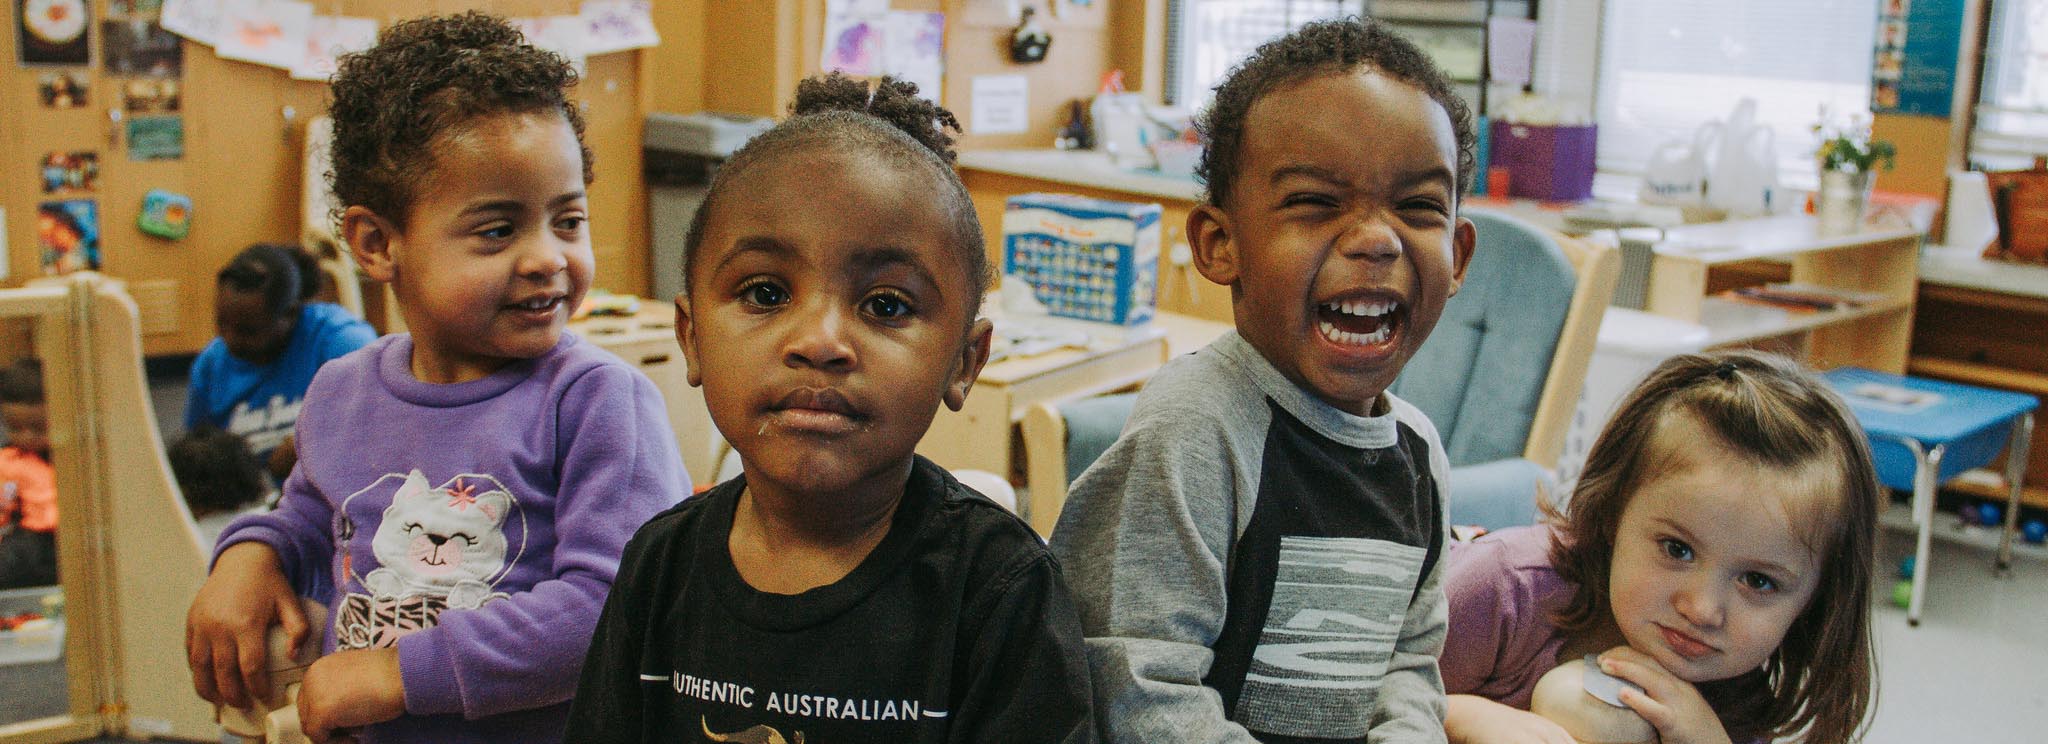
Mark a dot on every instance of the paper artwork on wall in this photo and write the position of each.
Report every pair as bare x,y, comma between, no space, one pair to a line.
329,37
138,47
70,172
63,90
68,235
1001,105
617,25
562,35
914,49
54,32
853,44
198,20
156,137
267,32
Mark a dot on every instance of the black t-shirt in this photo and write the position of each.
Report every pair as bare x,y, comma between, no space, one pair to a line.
956,628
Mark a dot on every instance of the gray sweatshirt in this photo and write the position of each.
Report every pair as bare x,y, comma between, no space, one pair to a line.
1253,564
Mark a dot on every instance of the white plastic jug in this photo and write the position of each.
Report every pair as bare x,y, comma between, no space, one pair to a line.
1745,170
1677,172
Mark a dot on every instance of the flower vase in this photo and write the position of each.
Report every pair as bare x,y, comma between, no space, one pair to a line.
1838,206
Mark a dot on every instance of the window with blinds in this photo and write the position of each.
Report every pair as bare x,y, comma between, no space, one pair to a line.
2012,108
1668,66
1205,38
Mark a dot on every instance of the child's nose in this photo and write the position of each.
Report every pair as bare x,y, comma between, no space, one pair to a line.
820,340
1370,238
1702,603
544,259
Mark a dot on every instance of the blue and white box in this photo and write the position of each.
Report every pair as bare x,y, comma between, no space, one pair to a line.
1084,258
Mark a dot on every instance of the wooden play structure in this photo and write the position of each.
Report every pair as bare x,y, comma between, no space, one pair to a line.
130,555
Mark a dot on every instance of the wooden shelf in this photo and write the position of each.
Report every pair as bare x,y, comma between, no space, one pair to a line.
1730,322
1976,373
2034,496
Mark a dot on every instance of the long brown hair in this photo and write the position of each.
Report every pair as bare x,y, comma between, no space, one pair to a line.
1766,408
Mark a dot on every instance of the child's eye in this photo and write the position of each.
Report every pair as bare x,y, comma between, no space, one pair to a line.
571,224
497,232
763,294
1676,549
1312,200
1432,206
1760,582
887,306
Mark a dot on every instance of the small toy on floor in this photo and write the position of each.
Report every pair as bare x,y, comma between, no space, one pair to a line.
1586,703
275,719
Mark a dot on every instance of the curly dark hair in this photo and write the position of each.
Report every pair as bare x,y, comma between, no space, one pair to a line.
890,122
425,79
285,275
216,470
1326,47
1818,684
22,381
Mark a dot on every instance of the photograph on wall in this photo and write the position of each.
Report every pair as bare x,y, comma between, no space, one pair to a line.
68,235
63,90
54,32
135,7
138,47
156,137
150,95
70,172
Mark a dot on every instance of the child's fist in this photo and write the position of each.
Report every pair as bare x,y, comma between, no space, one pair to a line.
348,689
225,629
1671,704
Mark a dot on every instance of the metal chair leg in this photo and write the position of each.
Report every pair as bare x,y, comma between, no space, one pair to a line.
1927,470
2015,472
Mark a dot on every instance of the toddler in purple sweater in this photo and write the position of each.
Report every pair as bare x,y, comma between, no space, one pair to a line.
464,492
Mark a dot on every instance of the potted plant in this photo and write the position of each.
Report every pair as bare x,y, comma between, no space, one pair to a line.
1847,156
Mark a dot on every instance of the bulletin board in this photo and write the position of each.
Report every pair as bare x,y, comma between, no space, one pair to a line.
228,135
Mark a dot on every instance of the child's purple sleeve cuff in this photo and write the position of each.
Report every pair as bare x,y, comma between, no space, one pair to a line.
428,671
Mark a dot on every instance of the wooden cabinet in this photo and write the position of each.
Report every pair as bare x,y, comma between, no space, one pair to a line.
1986,323
647,340
1876,264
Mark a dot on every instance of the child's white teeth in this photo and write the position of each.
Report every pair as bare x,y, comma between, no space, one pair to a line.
1361,308
1331,332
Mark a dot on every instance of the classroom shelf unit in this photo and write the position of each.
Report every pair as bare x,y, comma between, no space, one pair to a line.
1455,34
1876,264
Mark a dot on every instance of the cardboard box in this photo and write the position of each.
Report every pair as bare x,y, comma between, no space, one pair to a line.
1091,259
1551,163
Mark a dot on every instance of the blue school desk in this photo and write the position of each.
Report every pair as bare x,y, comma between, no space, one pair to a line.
1924,432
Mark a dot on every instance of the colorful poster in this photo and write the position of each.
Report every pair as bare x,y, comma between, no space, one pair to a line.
63,90
198,20
70,172
54,32
1914,68
156,137
138,47
271,33
329,37
914,49
617,25
68,235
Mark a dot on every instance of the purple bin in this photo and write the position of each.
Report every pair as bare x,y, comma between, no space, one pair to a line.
1547,162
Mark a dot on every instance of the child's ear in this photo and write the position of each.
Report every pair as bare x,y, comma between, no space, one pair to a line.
686,337
973,355
369,240
1463,238
1210,238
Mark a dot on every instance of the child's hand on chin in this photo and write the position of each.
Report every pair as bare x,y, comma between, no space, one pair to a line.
348,689
1671,704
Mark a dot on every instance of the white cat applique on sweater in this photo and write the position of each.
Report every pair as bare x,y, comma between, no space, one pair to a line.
437,548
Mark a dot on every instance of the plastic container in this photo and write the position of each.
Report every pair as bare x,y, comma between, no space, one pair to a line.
1632,343
34,645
